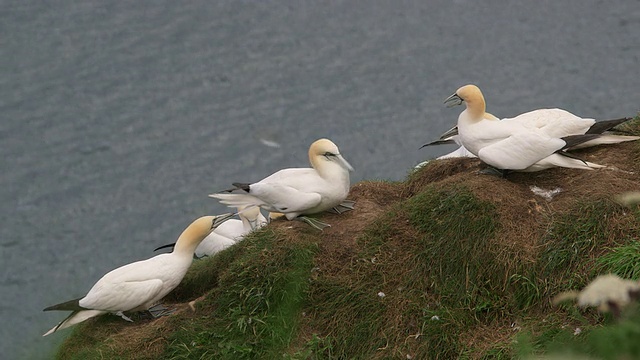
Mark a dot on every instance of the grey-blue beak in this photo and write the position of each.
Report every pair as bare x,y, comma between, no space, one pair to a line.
453,100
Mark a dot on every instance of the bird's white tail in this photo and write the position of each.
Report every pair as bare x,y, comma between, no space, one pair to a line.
237,200
605,139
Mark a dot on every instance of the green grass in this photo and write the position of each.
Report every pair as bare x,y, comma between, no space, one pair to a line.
573,240
352,316
623,261
454,224
254,311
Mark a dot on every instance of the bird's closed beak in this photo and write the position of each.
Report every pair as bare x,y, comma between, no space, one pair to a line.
439,142
445,138
219,219
453,100
344,162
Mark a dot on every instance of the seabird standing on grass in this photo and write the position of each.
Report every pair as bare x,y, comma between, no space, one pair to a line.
296,192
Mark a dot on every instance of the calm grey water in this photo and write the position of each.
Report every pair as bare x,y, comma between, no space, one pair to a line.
118,118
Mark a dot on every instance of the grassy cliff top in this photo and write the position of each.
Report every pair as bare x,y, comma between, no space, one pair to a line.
446,264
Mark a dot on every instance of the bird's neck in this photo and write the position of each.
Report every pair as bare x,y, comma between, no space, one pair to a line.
331,171
246,224
475,110
187,245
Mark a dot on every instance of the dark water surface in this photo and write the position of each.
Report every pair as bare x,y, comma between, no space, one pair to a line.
118,118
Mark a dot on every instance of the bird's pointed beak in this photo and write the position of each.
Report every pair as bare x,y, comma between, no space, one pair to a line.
219,219
439,142
453,100
344,162
445,138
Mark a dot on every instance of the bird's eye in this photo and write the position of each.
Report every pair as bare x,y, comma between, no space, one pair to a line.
329,154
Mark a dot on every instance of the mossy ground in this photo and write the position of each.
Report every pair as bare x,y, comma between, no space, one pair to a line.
447,264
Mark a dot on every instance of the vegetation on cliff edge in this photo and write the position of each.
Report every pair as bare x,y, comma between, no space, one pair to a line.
446,264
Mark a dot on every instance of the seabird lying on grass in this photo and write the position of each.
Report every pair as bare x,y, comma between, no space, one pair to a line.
139,285
533,141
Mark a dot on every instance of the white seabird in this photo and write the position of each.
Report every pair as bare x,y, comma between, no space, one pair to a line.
553,122
299,191
139,285
231,231
514,145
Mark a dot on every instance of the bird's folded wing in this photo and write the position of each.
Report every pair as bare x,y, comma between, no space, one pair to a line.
283,198
520,150
555,123
122,296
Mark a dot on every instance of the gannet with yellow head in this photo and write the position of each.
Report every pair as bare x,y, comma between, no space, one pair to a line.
554,122
139,285
299,191
532,141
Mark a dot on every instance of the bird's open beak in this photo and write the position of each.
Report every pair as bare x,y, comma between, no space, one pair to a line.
453,100
344,162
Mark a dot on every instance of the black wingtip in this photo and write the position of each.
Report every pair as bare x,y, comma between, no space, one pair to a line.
71,305
237,186
242,186
573,140
601,126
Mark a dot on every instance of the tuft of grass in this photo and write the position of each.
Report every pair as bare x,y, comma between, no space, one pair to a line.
455,247
255,310
623,261
573,240
352,319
